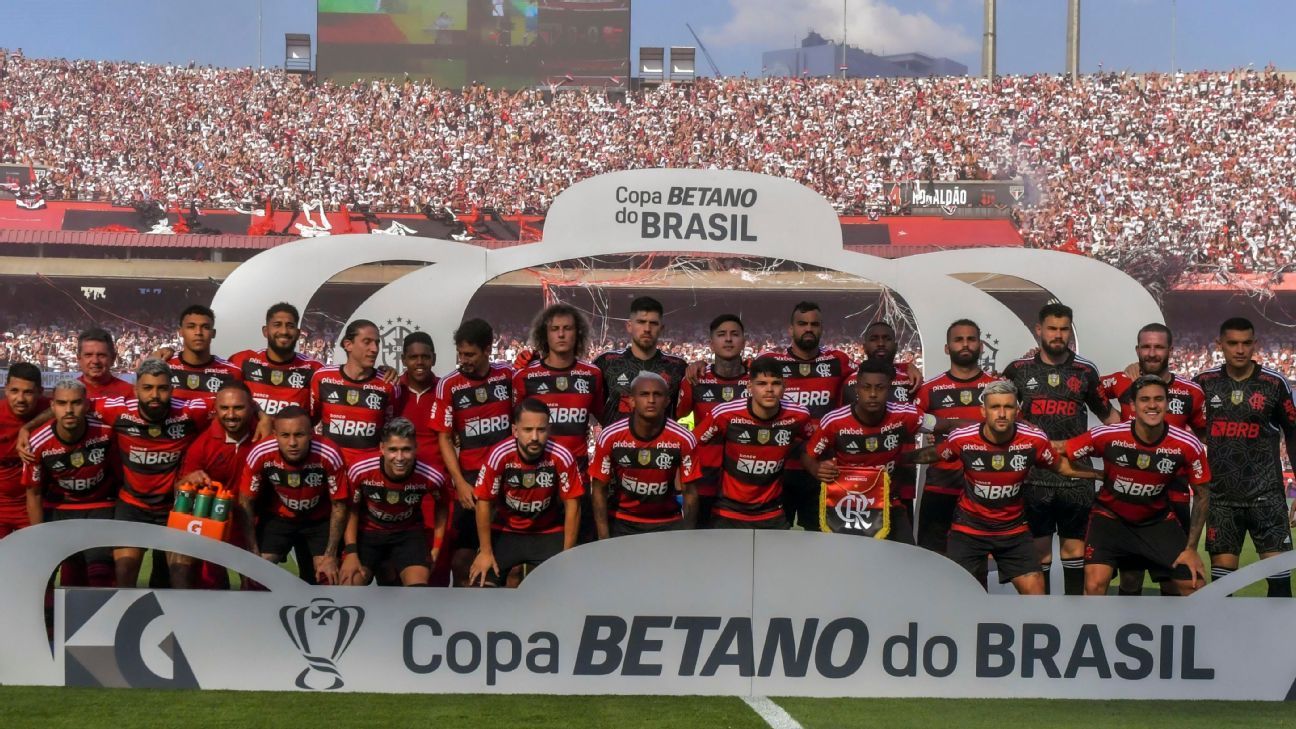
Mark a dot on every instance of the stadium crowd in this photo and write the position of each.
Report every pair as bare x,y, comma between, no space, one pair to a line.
1201,165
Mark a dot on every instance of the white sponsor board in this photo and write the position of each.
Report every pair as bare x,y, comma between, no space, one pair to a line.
643,615
706,211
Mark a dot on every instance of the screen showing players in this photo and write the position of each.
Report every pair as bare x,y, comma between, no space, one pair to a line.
501,43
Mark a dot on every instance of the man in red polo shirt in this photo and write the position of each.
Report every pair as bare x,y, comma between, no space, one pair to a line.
22,402
96,356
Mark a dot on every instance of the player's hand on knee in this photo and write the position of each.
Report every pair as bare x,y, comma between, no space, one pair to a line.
351,571
1190,559
483,564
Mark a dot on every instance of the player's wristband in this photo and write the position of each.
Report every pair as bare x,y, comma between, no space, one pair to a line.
350,549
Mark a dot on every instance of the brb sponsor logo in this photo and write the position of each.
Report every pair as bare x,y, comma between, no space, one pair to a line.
321,631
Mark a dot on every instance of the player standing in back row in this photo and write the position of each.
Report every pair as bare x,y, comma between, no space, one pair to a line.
1249,411
1055,386
619,368
723,380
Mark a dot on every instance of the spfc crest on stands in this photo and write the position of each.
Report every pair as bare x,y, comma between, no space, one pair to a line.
726,393
1236,397
997,462
192,381
77,459
480,394
560,383
965,397
393,497
806,369
1144,460
276,377
644,457
1054,379
353,397
762,436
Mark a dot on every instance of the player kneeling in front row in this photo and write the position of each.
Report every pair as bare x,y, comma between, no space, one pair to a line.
1132,525
990,515
305,492
386,520
648,458
534,489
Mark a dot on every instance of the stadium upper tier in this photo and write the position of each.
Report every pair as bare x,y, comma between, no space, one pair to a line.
1197,166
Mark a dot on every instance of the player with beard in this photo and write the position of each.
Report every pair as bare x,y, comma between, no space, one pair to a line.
571,387
23,402
722,380
528,499
1184,409
619,368
278,375
648,458
1055,386
96,356
471,414
812,377
955,395
1249,414
195,371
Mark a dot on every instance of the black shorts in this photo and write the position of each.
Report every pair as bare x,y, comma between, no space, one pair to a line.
624,527
1265,519
1183,513
901,526
1153,547
1014,554
277,536
130,512
401,549
98,554
1060,510
463,522
512,549
705,505
801,499
778,521
935,514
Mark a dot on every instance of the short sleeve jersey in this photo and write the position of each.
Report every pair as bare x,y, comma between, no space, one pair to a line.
529,495
1136,474
194,382
756,451
298,492
351,413
11,466
275,386
386,504
947,396
1185,407
478,411
1246,420
643,471
416,406
574,396
73,475
1054,399
702,398
816,383
150,451
992,503
844,436
620,367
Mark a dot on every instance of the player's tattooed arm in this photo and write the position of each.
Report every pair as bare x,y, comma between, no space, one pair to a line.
326,565
246,505
1197,522
598,502
350,573
920,456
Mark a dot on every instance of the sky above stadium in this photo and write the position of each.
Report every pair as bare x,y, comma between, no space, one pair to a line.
1133,35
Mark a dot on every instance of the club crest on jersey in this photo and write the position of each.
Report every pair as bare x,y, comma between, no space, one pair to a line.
965,397
1236,397
997,462
294,480
762,436
480,394
353,397
155,431
561,383
644,457
528,480
77,459
276,377
871,444
393,497
805,370
1054,379
192,381
1144,460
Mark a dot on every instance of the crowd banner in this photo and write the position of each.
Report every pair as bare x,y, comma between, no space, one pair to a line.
703,211
766,613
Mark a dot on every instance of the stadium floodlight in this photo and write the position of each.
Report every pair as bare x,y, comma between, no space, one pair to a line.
297,52
652,64
683,60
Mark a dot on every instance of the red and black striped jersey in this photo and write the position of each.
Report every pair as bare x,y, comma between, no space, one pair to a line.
992,503
194,382
11,466
947,396
113,386
1136,474
644,471
386,504
1185,407
150,452
351,413
275,386
902,387
1054,398
529,496
853,443
477,411
77,475
756,452
701,398
815,384
573,395
620,367
1246,420
302,491
416,406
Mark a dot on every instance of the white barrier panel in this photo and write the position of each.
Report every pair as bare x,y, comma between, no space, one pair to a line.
706,612
706,211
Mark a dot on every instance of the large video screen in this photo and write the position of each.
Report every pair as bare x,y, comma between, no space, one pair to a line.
501,43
